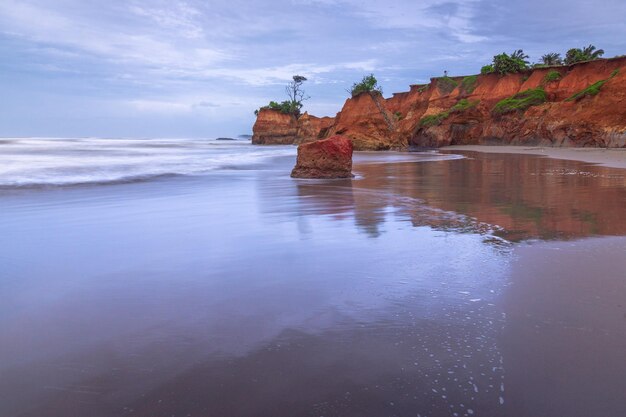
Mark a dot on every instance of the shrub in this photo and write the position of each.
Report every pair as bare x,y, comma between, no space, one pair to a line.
423,88
468,85
285,107
464,104
521,101
487,69
552,76
368,84
446,85
436,119
398,116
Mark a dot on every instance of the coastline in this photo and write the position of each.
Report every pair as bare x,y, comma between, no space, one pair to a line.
608,157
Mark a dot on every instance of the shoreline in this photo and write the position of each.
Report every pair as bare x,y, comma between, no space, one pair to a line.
608,157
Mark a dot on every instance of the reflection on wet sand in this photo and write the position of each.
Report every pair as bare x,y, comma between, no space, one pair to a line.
517,197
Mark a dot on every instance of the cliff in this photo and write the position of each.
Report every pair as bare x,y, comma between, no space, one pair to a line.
275,128
578,105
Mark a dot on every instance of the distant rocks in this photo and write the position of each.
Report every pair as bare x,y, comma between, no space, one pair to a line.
327,158
225,139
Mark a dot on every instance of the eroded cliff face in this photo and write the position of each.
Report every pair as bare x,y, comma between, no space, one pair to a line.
275,128
375,123
595,120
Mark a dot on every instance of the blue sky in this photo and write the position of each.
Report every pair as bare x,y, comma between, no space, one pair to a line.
173,68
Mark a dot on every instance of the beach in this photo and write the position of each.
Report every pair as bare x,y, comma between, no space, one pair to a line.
174,277
610,157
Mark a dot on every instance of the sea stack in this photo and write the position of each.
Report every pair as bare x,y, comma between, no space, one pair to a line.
327,158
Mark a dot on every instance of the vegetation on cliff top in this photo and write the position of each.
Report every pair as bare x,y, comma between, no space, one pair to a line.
436,119
592,90
296,95
446,85
588,53
551,59
507,64
517,62
469,83
521,101
368,84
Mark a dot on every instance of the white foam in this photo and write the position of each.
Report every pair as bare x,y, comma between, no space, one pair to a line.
45,161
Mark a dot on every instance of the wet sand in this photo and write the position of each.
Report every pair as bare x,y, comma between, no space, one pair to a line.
485,286
610,157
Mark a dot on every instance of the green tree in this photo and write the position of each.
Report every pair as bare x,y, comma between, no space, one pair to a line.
296,95
368,84
552,58
588,53
508,64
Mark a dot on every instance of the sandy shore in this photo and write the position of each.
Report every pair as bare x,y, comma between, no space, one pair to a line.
612,157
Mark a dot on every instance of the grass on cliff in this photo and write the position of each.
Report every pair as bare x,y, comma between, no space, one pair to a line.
592,90
552,76
446,85
285,107
436,119
468,85
521,101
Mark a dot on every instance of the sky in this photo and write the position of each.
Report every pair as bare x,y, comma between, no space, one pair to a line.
199,68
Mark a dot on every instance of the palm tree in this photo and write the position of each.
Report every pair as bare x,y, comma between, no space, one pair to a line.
592,53
552,58
588,53
519,54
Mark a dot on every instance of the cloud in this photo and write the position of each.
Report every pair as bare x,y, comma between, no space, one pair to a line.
137,44
202,62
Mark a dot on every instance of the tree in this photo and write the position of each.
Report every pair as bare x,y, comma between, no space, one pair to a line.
296,93
588,53
507,64
368,84
551,58
520,56
296,97
592,53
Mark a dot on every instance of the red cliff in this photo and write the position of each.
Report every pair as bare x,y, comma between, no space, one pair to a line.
577,105
275,128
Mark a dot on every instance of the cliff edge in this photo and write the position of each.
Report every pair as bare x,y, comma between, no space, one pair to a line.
582,105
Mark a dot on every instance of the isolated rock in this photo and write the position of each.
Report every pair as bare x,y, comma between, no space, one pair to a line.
328,158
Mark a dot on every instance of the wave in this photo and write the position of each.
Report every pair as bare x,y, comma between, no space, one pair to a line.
42,162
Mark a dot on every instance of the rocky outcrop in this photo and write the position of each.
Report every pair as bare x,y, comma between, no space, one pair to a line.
434,115
366,120
327,158
593,120
275,128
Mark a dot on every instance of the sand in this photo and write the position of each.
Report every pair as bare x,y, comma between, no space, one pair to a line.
612,157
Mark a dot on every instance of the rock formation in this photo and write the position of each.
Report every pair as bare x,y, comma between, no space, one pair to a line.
579,105
275,128
327,158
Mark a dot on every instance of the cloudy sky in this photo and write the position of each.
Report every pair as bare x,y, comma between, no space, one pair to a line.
198,68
